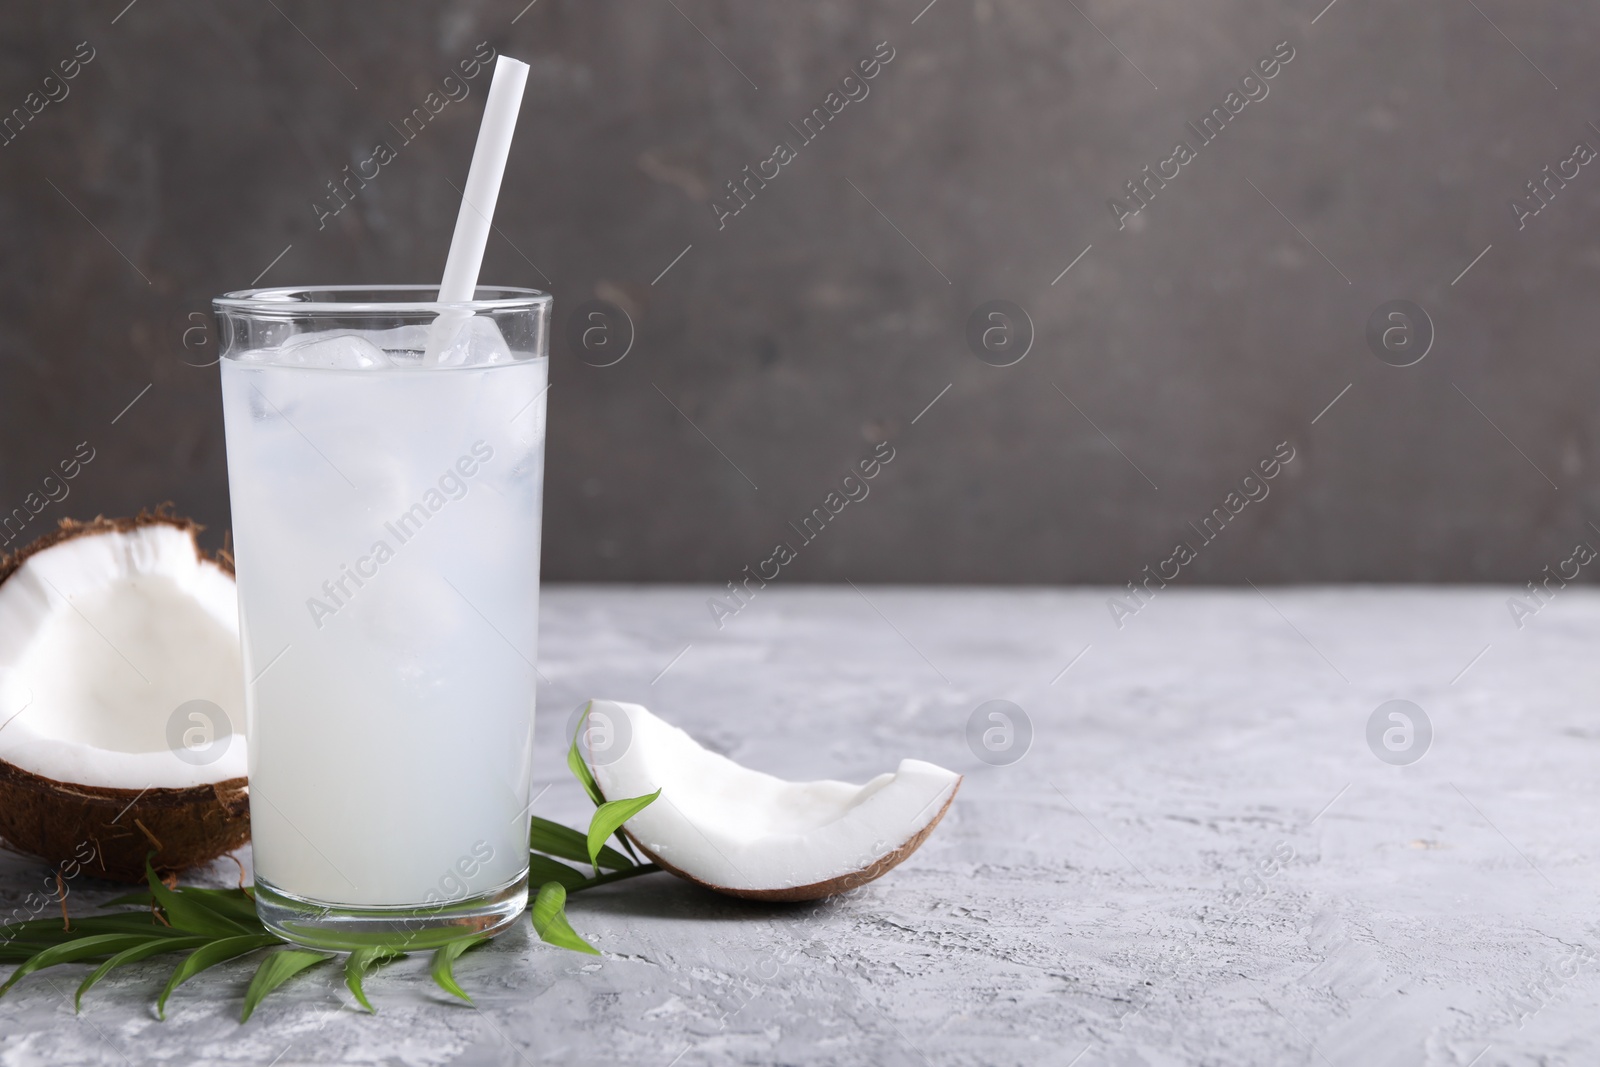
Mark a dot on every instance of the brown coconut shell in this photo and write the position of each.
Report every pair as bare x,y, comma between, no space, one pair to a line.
109,832
816,890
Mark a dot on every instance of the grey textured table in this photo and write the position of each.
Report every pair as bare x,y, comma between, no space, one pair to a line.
1088,904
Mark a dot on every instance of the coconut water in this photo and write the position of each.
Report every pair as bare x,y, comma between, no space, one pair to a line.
386,523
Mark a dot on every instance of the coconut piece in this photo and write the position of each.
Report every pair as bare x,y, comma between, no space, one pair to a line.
748,834
108,629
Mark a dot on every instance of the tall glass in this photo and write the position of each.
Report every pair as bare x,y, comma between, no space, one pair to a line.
386,465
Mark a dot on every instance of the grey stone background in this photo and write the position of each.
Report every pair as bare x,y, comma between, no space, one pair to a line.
830,313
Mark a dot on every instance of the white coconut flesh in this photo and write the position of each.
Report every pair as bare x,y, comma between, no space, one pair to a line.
728,826
103,637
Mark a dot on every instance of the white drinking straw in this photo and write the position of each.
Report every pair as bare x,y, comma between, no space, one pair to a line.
477,201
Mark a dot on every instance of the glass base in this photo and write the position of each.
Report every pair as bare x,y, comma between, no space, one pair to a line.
344,928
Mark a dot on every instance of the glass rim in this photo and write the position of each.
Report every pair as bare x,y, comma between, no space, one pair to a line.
292,300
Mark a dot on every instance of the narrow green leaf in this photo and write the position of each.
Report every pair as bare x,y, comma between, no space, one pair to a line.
550,920
82,948
50,931
444,964
276,969
19,946
360,962
209,955
608,819
542,869
580,770
556,840
614,876
190,914
233,904
154,946
21,951
576,763
627,843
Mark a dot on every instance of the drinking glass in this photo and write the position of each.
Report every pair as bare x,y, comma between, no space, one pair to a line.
385,464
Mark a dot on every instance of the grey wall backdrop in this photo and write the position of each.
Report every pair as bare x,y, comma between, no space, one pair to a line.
775,348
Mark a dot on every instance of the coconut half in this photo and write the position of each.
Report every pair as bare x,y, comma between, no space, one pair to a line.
748,834
121,698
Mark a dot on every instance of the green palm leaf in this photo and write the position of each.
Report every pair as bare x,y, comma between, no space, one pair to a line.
542,869
608,819
363,960
233,904
613,876
550,920
82,948
209,955
155,946
190,913
576,764
554,839
580,770
52,932
276,969
444,963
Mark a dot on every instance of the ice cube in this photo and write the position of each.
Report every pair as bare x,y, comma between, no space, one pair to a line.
476,343
334,349
403,344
